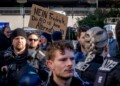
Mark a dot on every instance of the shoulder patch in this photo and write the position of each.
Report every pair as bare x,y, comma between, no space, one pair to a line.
108,65
82,66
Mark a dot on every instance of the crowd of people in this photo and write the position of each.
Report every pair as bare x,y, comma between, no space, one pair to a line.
49,60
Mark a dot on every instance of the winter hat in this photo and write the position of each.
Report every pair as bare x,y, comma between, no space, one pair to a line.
47,36
18,32
56,35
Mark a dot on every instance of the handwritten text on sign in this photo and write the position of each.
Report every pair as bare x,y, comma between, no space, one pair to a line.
47,20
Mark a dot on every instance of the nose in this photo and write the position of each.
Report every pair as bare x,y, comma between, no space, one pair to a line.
70,62
20,40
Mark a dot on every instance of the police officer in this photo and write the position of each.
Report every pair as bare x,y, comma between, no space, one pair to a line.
95,40
109,73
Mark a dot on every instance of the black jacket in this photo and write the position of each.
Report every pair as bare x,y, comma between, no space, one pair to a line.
38,61
109,73
88,71
17,65
75,81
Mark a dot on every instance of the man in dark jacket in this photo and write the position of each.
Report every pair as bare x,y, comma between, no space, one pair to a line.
38,59
60,60
109,73
95,41
15,63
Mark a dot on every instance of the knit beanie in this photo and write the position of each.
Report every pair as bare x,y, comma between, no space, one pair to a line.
47,36
18,32
56,35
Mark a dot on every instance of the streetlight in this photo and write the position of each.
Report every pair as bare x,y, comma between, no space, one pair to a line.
97,4
22,11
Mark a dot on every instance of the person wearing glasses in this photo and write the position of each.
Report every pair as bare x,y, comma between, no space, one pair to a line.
38,60
5,40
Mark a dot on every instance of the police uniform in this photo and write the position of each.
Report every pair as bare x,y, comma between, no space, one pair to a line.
87,71
109,73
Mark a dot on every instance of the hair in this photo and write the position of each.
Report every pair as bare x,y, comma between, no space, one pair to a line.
82,29
58,45
3,29
117,32
94,41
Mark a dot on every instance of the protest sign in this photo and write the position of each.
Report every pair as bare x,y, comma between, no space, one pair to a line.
47,21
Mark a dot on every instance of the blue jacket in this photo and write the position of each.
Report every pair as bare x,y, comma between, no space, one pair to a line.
113,48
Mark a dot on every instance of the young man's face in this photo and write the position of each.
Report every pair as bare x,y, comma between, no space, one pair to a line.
33,41
19,43
81,38
63,64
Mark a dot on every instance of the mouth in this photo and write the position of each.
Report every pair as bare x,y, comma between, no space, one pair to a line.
69,70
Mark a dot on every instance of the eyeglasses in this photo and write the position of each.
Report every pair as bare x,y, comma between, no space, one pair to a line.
33,39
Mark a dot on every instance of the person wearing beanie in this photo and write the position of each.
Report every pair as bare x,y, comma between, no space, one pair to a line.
95,42
56,36
15,59
45,40
18,32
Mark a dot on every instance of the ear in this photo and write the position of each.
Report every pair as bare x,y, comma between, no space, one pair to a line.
50,64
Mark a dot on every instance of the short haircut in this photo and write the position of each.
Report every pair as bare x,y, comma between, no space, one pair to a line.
58,45
82,29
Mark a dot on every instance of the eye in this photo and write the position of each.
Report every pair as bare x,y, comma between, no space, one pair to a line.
72,58
63,59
